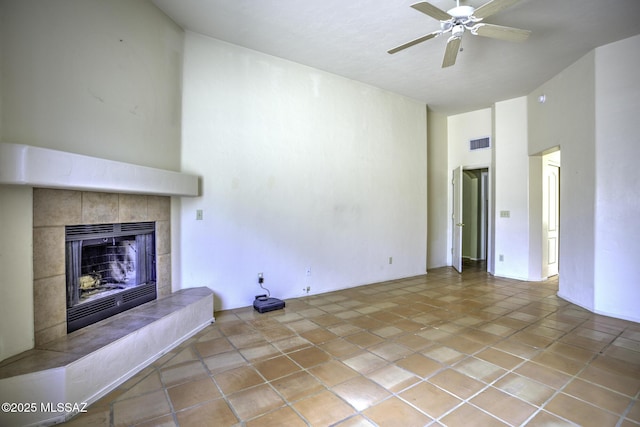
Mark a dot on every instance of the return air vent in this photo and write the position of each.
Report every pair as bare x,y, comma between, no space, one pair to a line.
480,143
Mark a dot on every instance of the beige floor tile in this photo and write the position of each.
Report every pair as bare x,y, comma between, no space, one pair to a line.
224,362
339,348
212,347
323,409
393,378
525,388
393,411
555,361
542,374
611,379
355,421
509,409
572,352
149,383
252,402
545,419
470,416
361,393
390,351
284,416
297,386
443,354
309,357
140,408
579,412
457,383
500,358
319,336
634,412
333,372
96,417
461,349
597,396
365,362
413,342
202,415
419,365
276,367
480,369
192,393
238,379
430,399
364,339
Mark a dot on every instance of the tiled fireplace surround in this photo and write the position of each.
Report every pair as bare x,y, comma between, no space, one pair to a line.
52,210
61,367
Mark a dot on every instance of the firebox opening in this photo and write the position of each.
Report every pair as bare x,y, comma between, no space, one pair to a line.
110,268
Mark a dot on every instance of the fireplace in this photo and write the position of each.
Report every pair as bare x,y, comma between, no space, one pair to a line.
109,268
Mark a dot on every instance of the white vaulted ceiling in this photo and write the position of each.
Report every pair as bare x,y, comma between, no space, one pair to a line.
351,39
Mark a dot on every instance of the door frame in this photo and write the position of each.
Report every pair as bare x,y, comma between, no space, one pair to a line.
550,162
490,212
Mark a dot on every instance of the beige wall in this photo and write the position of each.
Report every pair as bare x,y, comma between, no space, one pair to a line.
93,77
567,120
438,184
301,169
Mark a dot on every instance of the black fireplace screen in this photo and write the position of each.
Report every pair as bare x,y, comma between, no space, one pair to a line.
110,268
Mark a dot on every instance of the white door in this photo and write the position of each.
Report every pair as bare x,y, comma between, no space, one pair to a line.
456,250
551,212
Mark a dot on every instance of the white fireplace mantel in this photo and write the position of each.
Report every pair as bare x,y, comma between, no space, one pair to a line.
42,167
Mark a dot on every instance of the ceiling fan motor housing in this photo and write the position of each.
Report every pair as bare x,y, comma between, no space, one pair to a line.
457,31
461,12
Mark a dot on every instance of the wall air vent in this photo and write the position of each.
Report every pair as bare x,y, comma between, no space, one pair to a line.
480,143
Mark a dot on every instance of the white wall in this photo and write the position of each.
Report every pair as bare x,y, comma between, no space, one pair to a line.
461,129
300,169
438,184
617,196
567,120
16,264
93,77
511,189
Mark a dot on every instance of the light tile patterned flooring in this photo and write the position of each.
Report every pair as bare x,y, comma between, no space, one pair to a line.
440,349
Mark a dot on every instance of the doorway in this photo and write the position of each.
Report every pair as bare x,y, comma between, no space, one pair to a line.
551,214
470,218
475,210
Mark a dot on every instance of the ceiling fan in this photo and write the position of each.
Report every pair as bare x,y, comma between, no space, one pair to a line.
461,18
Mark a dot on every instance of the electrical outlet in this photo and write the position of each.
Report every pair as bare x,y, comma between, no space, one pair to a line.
308,289
390,260
199,215
260,276
500,257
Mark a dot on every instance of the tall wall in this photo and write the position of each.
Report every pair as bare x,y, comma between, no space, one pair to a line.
438,184
511,189
301,169
93,77
567,119
617,195
461,129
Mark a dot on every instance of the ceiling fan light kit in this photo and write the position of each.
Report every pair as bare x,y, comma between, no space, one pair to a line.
461,18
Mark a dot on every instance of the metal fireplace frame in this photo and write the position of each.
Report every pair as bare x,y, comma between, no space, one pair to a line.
83,314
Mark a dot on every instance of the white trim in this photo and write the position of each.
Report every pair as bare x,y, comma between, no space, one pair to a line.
42,167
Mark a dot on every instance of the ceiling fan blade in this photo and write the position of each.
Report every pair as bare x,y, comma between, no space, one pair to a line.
500,32
493,6
414,42
451,53
432,11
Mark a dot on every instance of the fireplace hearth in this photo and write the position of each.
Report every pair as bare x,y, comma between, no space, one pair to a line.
110,268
